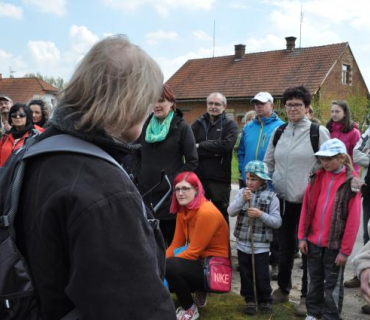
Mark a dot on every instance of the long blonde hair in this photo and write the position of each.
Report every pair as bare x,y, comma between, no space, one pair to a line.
114,87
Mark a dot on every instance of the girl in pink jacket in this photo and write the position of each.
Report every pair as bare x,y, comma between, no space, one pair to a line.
328,226
343,128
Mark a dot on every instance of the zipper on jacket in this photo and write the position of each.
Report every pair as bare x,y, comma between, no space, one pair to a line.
323,210
259,140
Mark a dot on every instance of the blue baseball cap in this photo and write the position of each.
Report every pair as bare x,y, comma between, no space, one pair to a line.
331,148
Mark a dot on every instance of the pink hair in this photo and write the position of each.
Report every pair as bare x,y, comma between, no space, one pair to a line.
191,178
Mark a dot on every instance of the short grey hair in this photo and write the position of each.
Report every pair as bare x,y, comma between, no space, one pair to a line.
223,98
114,87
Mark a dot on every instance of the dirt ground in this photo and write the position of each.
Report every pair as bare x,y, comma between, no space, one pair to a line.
353,300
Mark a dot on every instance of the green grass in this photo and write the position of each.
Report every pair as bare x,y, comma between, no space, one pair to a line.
231,307
234,170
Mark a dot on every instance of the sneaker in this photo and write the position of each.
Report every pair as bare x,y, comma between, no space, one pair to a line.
200,299
250,308
274,272
311,318
353,283
301,309
190,314
265,308
366,309
279,296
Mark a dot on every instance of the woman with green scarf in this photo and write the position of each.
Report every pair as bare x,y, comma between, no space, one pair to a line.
167,144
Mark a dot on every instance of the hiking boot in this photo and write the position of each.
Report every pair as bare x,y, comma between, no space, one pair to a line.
366,309
274,272
200,299
353,283
250,308
301,309
279,296
265,308
190,314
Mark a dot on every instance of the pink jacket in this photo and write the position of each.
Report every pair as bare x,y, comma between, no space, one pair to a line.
349,139
320,222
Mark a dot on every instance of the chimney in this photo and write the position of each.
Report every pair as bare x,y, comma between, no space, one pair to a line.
290,43
239,51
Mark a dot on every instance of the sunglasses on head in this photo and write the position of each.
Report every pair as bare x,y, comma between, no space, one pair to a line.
15,115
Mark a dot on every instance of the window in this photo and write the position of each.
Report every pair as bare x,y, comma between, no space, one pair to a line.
346,74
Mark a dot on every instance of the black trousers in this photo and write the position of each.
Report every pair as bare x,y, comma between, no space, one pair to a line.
184,277
274,248
263,285
325,294
219,193
290,213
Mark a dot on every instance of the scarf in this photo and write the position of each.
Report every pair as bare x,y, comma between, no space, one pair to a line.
17,134
157,131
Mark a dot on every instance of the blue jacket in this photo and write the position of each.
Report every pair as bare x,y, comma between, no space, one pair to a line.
255,140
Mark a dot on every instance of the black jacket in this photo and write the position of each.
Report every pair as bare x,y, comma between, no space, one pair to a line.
216,141
81,228
175,154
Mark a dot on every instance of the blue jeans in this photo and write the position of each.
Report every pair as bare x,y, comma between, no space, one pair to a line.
365,217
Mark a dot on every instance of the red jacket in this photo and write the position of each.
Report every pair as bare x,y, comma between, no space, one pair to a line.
8,145
318,221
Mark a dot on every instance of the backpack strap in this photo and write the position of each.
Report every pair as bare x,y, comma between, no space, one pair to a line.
68,143
314,135
278,133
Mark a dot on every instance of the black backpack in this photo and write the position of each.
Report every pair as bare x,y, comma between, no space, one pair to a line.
314,135
18,298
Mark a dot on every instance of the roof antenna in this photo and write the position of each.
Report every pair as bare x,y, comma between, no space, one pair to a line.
300,27
214,37
11,72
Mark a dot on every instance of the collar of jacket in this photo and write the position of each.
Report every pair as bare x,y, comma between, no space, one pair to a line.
301,123
207,118
272,118
64,120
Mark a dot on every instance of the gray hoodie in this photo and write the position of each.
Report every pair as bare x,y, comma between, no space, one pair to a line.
291,162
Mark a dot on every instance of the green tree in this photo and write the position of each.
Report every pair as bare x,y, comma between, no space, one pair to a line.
59,82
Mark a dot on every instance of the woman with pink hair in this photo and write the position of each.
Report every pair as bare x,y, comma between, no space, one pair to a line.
201,228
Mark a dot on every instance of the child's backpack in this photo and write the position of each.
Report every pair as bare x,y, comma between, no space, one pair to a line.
18,298
314,135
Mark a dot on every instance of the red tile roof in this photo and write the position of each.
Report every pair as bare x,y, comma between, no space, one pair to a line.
23,89
271,71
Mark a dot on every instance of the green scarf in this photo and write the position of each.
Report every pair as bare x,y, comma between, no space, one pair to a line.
157,131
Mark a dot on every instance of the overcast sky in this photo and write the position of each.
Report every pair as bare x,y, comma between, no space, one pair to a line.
51,36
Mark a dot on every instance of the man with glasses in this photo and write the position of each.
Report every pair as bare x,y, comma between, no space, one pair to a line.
290,162
215,136
5,105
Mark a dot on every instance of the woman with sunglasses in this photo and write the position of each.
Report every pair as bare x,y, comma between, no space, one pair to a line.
20,118
201,231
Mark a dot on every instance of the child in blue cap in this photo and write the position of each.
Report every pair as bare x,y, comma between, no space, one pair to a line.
258,207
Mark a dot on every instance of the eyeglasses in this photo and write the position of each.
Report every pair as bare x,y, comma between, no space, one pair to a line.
217,104
182,189
20,115
294,105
